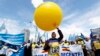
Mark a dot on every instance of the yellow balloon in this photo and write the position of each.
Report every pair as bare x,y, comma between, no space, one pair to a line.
48,16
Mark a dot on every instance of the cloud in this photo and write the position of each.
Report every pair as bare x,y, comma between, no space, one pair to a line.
73,29
36,3
70,16
25,15
12,26
95,21
91,18
82,22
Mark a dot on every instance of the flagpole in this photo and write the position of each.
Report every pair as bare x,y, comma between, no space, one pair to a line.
5,28
36,31
2,27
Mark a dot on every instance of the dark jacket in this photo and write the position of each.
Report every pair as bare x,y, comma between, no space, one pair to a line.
28,51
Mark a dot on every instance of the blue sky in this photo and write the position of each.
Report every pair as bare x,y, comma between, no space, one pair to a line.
78,15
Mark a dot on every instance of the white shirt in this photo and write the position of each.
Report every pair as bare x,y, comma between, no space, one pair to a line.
28,44
75,48
10,51
88,44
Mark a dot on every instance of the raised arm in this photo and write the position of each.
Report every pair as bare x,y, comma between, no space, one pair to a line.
60,35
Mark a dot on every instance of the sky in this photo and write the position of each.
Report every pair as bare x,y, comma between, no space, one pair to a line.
79,16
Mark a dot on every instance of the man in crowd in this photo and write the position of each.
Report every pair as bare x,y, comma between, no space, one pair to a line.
96,46
11,50
65,43
43,43
28,49
33,45
81,42
1,44
87,42
52,45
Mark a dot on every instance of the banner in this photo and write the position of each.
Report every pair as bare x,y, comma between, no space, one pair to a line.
19,53
16,39
95,32
75,50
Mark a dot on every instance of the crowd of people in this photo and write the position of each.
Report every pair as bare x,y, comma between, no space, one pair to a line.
90,47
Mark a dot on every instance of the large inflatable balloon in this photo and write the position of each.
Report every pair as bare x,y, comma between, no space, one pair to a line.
48,16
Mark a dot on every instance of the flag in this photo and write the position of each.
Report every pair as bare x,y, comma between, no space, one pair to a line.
36,34
15,39
46,36
82,36
73,37
91,36
39,38
6,31
2,27
70,38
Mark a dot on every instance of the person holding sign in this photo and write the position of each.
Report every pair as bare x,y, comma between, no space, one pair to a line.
52,45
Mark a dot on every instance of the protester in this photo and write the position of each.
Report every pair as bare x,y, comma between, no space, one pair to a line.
66,43
38,45
43,43
88,46
72,43
81,42
1,44
52,45
4,49
33,45
10,51
96,46
28,49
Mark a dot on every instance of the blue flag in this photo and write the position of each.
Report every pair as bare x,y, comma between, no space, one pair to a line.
91,36
70,37
82,36
15,39
2,27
